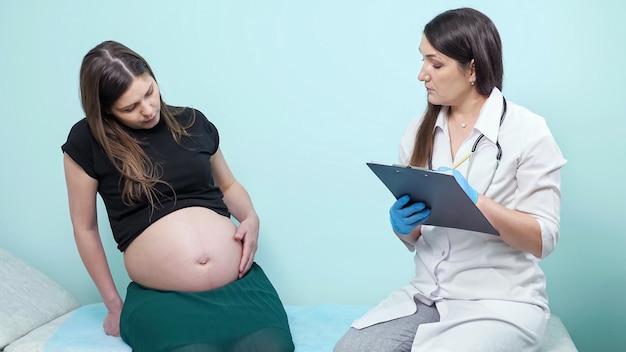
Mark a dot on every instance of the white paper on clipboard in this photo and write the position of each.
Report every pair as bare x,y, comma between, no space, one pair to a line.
448,203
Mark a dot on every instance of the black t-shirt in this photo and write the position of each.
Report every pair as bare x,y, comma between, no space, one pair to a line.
186,167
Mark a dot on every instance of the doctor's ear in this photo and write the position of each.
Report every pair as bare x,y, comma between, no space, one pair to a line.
472,72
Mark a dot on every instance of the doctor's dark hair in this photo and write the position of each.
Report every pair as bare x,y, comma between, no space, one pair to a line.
464,35
106,72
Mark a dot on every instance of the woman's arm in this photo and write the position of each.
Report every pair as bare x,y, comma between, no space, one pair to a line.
411,238
517,229
240,205
533,226
81,190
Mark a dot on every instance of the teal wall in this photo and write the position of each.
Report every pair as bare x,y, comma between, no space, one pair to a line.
304,93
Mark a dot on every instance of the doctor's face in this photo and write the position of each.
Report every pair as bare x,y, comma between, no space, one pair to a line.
447,82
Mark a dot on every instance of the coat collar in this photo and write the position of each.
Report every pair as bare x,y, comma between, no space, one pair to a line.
488,122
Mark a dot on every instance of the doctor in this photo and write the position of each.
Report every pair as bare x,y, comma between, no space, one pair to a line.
471,291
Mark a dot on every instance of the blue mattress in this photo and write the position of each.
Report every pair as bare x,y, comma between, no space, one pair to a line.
315,328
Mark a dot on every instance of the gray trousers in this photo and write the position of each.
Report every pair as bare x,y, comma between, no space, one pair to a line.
390,336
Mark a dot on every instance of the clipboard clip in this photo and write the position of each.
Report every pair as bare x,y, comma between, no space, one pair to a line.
426,171
411,167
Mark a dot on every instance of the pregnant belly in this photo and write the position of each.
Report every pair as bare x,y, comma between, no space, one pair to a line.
191,249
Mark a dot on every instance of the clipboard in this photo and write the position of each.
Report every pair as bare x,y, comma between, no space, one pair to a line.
448,203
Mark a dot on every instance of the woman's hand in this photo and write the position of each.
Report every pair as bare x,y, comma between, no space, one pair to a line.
471,192
405,218
112,323
248,233
240,206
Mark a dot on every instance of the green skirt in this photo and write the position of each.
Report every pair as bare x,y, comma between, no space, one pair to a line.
245,315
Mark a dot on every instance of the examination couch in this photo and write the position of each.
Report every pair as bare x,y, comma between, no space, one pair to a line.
39,315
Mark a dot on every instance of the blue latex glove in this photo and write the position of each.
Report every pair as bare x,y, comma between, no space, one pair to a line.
404,218
471,192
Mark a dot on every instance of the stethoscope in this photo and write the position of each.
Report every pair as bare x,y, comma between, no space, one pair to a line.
475,146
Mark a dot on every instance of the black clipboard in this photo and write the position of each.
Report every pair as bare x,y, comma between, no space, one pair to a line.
448,203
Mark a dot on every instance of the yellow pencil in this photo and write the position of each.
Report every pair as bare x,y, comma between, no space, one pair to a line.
462,160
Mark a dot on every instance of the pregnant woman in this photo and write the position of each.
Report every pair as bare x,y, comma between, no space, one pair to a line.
169,196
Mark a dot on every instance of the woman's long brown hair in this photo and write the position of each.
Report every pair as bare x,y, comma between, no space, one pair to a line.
464,35
105,74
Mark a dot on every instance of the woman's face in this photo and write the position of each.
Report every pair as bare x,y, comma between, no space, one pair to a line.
446,82
140,105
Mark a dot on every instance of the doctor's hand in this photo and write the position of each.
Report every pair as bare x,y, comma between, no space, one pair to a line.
471,192
404,218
